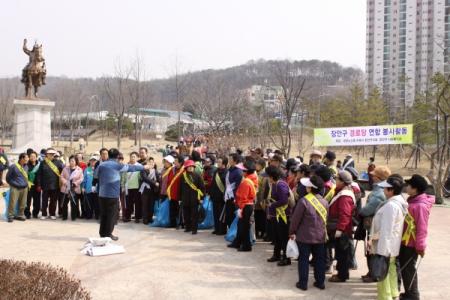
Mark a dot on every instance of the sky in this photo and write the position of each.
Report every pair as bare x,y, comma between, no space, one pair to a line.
86,38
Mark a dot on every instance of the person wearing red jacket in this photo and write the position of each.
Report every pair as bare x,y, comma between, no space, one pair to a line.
340,225
415,231
173,189
245,200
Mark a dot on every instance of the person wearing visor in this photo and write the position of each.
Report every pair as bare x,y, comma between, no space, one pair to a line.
308,229
386,233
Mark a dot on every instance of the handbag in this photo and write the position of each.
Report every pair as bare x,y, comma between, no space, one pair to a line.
378,267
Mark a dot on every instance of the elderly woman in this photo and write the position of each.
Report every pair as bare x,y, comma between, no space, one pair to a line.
71,179
340,228
279,213
386,233
308,228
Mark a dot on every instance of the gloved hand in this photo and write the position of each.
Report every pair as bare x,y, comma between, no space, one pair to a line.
338,234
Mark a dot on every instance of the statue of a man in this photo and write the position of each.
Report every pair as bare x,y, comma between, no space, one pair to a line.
34,72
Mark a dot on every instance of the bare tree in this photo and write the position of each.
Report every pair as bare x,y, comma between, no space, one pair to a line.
9,89
139,91
289,77
117,92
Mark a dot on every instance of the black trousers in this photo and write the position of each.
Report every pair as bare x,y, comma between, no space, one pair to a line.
174,211
318,252
329,245
53,195
344,256
35,198
74,200
270,228
219,226
243,230
230,209
408,259
260,222
190,213
148,206
280,237
91,207
134,204
108,215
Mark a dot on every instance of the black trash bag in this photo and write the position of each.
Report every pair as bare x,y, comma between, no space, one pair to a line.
378,267
201,213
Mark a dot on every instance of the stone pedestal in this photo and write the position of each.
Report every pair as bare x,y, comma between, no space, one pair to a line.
32,129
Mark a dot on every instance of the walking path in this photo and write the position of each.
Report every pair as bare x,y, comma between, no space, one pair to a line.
169,264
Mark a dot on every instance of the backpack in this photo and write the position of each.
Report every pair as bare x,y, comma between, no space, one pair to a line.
291,198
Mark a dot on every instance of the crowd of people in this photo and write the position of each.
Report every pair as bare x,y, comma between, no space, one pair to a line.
318,204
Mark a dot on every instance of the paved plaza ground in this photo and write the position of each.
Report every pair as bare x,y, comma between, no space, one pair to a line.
169,264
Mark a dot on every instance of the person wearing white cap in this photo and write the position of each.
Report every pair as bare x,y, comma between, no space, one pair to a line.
47,181
386,233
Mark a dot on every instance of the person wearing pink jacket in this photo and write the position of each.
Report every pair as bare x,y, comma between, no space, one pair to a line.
70,182
415,231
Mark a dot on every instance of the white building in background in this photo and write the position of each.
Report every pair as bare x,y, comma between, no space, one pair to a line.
407,42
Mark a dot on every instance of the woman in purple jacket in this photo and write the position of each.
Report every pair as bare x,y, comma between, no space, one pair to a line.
308,228
279,213
415,231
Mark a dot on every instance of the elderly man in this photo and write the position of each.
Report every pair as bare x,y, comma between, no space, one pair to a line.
17,178
47,181
109,190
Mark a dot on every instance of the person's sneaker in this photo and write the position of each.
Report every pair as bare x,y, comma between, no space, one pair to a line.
10,220
52,218
114,238
299,286
44,218
320,287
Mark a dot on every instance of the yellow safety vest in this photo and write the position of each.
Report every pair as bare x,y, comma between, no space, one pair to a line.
52,166
219,183
25,174
192,186
410,231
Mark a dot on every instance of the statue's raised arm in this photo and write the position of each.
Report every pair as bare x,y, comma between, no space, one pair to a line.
25,49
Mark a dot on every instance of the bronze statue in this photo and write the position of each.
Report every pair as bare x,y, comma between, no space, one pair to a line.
34,72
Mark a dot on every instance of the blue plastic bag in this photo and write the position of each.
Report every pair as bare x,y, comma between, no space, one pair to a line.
156,207
232,231
6,197
208,222
364,175
163,216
